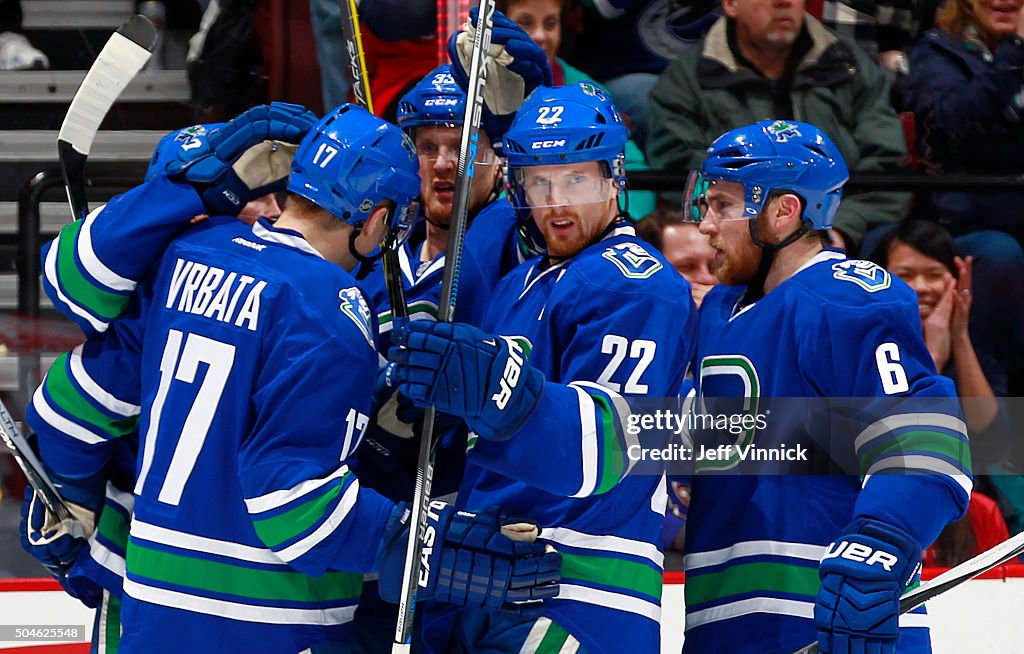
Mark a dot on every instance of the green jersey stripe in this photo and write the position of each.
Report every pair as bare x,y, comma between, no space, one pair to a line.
616,573
286,526
940,443
104,303
70,400
242,582
749,578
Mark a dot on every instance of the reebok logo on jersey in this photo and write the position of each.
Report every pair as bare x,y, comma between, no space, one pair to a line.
259,247
510,376
861,554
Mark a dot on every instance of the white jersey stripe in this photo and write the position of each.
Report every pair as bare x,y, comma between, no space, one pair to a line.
278,498
610,600
62,424
50,271
92,264
776,606
95,391
537,632
327,527
589,445
887,424
201,544
237,611
922,462
803,551
616,544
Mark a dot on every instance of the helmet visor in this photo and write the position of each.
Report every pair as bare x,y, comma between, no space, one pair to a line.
402,223
716,199
430,151
561,185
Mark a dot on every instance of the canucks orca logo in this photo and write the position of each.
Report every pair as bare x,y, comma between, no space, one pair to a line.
354,306
632,260
783,131
869,276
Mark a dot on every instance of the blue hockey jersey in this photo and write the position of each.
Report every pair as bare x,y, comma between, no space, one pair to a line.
249,337
489,252
615,321
838,329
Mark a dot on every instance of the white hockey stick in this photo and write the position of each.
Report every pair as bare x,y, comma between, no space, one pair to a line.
31,466
955,576
125,53
445,313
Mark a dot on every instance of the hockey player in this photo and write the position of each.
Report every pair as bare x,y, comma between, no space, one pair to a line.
795,318
543,387
252,336
82,388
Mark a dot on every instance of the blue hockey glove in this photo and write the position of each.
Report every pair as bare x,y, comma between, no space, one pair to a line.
57,545
863,574
241,160
517,67
479,560
485,379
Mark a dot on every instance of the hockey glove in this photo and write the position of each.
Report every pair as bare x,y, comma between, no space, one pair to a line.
246,158
516,66
479,560
863,574
485,379
57,545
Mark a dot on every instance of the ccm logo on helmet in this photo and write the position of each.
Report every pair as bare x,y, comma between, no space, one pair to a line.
441,102
556,143
861,554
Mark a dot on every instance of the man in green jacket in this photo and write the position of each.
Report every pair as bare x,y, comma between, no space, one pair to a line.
766,60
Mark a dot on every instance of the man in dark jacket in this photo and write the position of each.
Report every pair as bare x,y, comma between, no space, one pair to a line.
763,60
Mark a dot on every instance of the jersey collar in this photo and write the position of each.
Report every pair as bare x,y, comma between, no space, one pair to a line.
263,230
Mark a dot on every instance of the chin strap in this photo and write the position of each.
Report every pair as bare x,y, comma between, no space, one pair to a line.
755,288
366,264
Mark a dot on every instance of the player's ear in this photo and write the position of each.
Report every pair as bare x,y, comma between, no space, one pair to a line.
787,212
730,8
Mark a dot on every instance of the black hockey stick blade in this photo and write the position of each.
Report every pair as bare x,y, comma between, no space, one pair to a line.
30,465
125,53
955,576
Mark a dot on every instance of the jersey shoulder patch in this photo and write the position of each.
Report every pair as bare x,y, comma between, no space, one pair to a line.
868,275
632,260
354,306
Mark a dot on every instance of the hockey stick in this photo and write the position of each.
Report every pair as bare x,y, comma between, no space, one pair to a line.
361,91
445,313
356,56
125,53
953,577
31,466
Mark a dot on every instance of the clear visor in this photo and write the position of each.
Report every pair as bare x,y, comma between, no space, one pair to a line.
559,186
406,217
714,199
429,153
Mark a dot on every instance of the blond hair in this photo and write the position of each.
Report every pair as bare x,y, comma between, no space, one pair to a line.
956,16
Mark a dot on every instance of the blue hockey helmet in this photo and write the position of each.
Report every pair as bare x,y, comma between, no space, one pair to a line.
769,157
350,161
435,100
562,125
568,124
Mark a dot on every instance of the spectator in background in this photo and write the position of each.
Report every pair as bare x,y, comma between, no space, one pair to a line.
981,529
542,20
689,251
967,90
16,53
625,44
923,254
771,60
